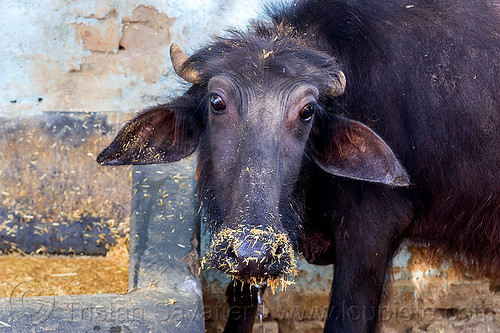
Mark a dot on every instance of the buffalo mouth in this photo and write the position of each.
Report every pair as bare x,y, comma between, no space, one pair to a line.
253,254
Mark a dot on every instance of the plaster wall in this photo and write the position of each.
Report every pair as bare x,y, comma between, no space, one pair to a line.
101,55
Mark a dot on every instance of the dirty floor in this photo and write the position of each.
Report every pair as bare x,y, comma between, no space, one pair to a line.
39,275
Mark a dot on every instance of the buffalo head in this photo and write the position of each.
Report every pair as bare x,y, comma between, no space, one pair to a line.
258,112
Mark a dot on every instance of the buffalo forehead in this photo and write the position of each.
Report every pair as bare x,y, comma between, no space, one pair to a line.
267,61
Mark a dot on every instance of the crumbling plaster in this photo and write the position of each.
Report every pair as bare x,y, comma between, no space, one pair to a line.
101,55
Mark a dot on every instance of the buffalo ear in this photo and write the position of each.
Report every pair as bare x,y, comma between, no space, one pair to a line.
350,149
162,134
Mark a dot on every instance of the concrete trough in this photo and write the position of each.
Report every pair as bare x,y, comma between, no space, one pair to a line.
164,289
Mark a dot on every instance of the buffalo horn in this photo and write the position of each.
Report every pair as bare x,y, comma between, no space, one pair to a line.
188,73
337,86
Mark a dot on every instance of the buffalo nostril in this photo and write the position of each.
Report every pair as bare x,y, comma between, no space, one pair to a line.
231,254
279,250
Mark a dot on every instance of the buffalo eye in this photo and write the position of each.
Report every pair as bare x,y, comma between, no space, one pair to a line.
306,112
217,103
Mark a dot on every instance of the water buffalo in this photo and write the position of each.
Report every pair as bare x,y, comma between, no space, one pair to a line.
338,129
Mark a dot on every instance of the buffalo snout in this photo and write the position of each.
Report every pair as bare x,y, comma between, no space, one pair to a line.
252,253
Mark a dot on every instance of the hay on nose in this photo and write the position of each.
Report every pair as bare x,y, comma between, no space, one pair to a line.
264,249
